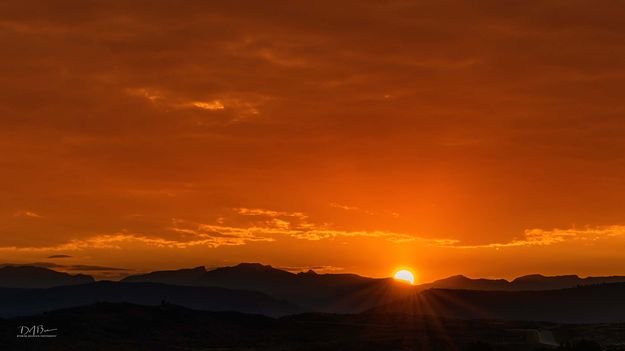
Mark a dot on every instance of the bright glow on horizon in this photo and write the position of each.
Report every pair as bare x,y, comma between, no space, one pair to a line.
404,275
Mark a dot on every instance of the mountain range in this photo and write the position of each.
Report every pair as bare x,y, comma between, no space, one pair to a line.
270,280
284,284
526,282
38,277
256,288
339,293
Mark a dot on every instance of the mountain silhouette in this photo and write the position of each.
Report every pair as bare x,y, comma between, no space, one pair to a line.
602,303
326,292
187,276
38,277
16,302
340,293
257,288
527,282
462,282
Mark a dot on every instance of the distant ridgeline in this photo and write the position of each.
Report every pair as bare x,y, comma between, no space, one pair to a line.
256,288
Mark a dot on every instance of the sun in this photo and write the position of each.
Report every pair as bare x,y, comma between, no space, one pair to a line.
405,275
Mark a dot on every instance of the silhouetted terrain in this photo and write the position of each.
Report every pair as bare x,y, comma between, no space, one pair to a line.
594,303
14,302
588,304
527,282
395,316
38,277
340,293
255,276
106,326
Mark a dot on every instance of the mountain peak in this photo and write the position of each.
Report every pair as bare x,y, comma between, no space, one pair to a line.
254,265
250,270
454,278
529,277
183,276
540,277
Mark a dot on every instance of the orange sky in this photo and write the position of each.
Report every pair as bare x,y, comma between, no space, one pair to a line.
483,138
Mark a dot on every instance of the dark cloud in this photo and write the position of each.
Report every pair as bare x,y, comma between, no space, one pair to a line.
49,265
83,268
59,256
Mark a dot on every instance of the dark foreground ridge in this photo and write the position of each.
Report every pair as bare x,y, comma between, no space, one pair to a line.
121,326
603,303
19,302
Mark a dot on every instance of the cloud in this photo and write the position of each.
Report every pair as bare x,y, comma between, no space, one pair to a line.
101,272
29,214
268,213
544,237
275,224
358,209
344,207
103,241
201,236
269,226
474,120
209,105
478,122
59,256
240,106
49,265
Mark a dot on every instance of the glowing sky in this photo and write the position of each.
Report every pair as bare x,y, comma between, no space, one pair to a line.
482,137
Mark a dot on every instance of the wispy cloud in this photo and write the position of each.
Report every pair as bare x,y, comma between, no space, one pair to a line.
62,267
124,239
358,209
268,213
544,237
274,224
269,225
209,105
29,214
242,107
344,207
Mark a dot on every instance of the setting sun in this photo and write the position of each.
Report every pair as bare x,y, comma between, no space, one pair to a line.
404,275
